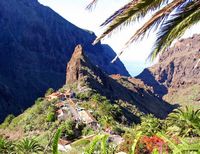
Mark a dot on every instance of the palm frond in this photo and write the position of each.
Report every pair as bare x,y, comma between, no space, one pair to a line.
92,4
131,12
55,141
175,27
155,21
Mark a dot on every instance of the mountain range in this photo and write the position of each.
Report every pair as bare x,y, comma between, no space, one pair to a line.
35,46
176,76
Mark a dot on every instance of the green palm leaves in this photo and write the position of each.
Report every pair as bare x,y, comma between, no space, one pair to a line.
55,140
181,147
171,18
100,145
25,146
29,146
6,147
185,121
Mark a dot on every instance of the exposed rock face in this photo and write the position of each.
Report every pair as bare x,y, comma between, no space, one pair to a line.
35,46
74,65
86,75
175,70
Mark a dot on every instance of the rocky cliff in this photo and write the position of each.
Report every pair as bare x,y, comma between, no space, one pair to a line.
35,46
84,75
175,77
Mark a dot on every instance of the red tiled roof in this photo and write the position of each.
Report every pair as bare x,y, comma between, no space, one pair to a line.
63,142
60,104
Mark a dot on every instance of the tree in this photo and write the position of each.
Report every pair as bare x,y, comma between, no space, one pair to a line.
29,146
172,18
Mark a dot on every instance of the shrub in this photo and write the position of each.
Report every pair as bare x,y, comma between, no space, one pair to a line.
6,147
51,117
87,131
68,129
149,125
49,91
118,131
7,121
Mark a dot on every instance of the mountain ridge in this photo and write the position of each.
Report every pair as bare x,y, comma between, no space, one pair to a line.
36,43
88,76
175,75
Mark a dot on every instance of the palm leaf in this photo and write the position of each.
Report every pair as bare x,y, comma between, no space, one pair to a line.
131,12
55,141
175,27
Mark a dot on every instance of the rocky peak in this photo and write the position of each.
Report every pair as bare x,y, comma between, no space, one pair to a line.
36,44
81,72
74,65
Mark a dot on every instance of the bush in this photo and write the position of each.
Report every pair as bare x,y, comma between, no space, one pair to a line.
49,91
6,147
68,130
51,117
118,131
40,99
87,131
149,125
7,121
82,96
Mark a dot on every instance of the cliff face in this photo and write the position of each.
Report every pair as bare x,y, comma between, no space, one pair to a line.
35,46
85,75
175,75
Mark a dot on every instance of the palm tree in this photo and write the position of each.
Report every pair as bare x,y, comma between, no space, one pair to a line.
29,146
185,121
171,17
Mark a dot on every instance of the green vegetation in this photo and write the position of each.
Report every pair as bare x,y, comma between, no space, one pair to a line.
178,133
7,121
106,112
103,147
6,146
29,146
55,141
186,122
49,91
24,146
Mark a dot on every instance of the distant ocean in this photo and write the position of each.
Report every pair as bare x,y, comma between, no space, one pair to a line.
135,68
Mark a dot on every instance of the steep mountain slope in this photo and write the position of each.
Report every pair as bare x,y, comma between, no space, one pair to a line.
111,100
175,76
81,73
35,45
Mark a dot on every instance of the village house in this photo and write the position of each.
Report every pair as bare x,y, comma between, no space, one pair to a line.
61,115
64,145
60,104
88,119
56,95
69,94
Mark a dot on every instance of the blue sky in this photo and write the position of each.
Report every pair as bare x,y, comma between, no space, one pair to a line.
135,56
